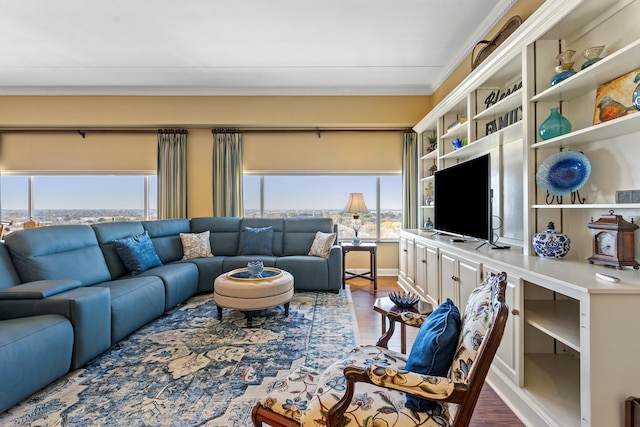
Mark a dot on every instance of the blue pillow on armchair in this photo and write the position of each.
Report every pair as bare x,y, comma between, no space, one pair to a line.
257,241
433,349
137,253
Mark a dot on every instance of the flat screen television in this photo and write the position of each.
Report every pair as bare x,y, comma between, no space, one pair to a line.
462,199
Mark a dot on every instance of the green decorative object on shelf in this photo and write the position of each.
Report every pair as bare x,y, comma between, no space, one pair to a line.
554,125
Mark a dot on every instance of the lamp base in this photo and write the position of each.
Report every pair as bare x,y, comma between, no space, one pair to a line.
356,241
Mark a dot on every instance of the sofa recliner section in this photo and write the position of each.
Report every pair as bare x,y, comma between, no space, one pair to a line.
34,351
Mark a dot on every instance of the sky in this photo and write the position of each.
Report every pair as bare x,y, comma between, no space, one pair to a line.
126,192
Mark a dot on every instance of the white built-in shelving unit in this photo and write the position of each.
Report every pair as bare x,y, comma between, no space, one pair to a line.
569,349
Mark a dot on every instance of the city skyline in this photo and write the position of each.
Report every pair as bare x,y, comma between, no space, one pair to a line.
127,192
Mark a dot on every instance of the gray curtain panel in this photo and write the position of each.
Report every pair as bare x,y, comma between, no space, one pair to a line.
410,180
172,174
227,173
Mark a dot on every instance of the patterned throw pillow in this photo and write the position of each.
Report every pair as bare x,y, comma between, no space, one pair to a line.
137,253
476,322
322,244
196,245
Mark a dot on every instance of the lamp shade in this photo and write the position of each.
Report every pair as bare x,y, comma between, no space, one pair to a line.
355,204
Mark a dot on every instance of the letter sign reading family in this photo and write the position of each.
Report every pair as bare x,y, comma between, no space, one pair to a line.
509,118
503,121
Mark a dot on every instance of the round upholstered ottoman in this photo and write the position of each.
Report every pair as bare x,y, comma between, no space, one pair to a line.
237,290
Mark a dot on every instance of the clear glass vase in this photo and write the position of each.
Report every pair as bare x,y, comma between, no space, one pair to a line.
554,125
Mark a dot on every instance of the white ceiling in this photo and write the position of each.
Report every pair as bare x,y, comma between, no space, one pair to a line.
237,47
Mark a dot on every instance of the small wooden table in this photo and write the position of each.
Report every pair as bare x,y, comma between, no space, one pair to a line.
372,274
385,305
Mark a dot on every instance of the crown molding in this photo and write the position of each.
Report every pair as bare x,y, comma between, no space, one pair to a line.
394,90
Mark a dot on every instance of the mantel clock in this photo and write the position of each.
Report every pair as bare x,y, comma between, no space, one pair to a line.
613,241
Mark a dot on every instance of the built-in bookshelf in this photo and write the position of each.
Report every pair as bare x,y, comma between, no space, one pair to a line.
566,327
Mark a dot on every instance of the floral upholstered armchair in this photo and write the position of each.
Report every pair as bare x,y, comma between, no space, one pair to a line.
377,387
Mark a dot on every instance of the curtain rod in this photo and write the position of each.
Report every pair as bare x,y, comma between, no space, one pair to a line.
316,130
83,131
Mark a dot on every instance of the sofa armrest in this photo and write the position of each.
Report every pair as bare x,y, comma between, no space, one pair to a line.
335,267
424,386
39,289
87,308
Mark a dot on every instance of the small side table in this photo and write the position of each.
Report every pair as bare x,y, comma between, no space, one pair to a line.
373,262
385,305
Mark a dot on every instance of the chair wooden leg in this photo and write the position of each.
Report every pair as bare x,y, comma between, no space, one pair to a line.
260,414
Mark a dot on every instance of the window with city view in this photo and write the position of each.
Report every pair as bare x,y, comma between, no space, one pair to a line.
77,199
326,196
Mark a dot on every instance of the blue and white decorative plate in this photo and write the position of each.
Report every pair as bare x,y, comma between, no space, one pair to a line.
563,172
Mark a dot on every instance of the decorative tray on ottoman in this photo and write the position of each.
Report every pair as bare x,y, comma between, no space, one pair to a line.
243,274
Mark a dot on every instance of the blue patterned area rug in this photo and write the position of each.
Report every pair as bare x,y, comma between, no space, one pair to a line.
189,369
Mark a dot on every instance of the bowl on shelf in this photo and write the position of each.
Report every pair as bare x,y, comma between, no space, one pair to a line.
404,299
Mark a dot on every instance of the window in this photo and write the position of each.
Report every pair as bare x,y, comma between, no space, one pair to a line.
326,196
77,199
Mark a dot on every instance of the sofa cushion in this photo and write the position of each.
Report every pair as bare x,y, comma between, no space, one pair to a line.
106,233
137,253
135,301
434,348
322,244
8,275
58,252
299,233
34,351
257,241
165,235
196,245
225,233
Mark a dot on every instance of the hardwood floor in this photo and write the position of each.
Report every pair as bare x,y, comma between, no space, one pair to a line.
490,410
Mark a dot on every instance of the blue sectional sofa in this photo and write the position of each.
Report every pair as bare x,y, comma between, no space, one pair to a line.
66,295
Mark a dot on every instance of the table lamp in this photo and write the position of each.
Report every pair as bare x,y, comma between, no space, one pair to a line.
356,206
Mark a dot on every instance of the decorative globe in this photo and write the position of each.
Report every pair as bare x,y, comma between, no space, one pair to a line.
404,299
551,243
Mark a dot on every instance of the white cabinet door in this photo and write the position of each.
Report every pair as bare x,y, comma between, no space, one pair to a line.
469,277
449,286
509,356
432,275
427,272
459,276
407,262
421,269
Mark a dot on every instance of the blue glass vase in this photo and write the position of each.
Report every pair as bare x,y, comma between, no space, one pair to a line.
554,125
563,75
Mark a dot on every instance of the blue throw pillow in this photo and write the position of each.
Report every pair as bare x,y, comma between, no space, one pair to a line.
257,241
137,253
433,349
